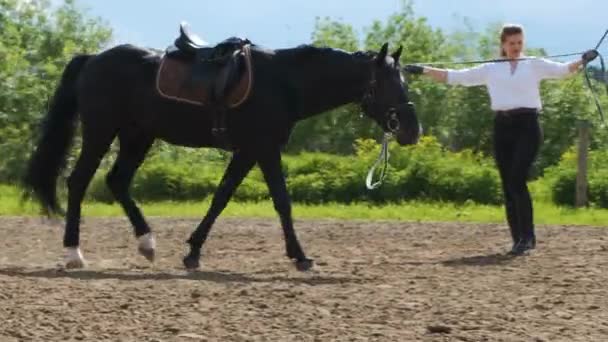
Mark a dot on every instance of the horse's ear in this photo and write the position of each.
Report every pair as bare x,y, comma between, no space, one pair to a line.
397,54
382,54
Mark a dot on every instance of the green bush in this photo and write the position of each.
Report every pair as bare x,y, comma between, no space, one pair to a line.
250,190
562,179
163,180
563,187
598,189
424,171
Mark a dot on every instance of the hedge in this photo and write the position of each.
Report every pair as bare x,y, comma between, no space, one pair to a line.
424,171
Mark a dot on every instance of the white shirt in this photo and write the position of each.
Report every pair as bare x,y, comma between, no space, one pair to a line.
506,90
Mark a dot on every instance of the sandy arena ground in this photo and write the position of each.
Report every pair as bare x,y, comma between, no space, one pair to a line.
373,281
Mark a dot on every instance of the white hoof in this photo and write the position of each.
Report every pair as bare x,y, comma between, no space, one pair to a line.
147,246
73,258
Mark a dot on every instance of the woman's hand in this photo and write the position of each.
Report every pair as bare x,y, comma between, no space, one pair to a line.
439,75
589,55
413,69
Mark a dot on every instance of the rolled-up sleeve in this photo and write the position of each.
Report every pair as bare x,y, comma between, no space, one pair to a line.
545,68
468,77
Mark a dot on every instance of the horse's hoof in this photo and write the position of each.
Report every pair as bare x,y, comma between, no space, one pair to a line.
147,245
191,263
74,264
73,258
149,254
304,265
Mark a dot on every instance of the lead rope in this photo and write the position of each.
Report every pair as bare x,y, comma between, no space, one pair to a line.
384,156
592,90
498,60
604,77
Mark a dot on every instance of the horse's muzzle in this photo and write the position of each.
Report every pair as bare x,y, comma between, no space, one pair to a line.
409,128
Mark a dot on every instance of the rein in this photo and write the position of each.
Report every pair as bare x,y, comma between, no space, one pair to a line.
384,155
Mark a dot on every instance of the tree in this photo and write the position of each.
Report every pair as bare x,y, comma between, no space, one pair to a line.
337,130
36,42
596,73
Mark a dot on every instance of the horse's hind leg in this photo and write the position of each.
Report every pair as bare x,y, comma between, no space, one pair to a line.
275,179
95,143
133,150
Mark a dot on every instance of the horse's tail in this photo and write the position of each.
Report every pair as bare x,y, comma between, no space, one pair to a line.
57,134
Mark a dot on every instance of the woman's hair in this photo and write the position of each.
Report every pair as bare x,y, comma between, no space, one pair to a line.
506,31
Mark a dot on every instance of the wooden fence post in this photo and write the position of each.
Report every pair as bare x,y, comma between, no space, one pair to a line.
581,174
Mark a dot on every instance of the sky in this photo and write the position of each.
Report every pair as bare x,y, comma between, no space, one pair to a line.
557,25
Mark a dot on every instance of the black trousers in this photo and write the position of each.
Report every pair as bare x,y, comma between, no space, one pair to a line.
517,138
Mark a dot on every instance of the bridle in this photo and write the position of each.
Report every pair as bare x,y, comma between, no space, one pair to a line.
391,119
391,123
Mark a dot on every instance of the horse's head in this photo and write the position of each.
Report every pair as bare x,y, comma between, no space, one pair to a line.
386,99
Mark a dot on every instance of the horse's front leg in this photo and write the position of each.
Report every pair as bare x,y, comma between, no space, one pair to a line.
239,167
270,164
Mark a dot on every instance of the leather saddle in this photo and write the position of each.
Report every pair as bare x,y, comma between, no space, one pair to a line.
195,72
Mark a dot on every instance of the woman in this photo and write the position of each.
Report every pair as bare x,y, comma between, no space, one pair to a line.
513,87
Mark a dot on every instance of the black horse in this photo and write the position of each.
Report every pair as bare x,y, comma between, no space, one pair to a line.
115,95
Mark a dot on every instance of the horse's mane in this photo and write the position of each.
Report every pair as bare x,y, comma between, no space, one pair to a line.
310,51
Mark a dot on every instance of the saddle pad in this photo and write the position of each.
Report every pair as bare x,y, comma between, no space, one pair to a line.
173,82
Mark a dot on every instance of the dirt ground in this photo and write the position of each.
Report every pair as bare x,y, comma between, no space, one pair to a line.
373,281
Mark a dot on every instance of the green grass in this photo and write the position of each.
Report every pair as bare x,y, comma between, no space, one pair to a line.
545,213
